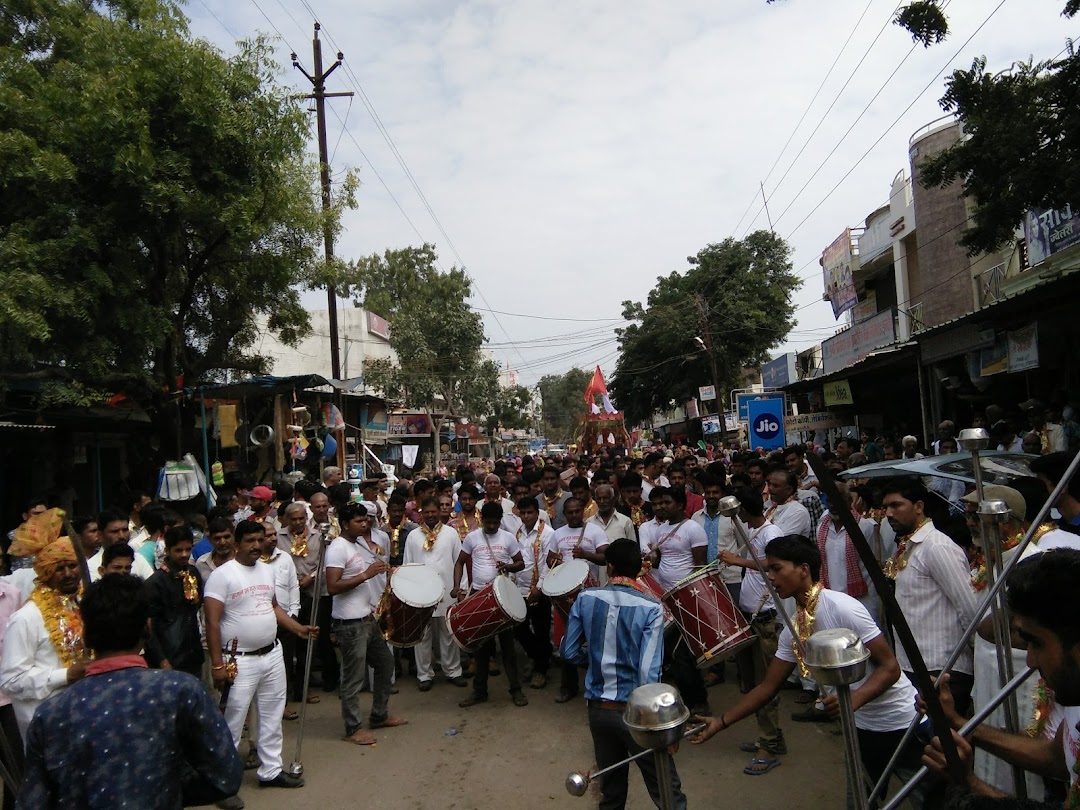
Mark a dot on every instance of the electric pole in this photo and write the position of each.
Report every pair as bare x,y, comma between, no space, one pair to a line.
704,310
318,84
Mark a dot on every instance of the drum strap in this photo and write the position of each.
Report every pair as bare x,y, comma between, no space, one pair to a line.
669,535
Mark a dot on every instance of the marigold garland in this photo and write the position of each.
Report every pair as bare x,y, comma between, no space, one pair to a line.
63,622
299,544
804,625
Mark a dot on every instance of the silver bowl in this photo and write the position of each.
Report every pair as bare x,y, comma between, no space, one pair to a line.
836,657
655,715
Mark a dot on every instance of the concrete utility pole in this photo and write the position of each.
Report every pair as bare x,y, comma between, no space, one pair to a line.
318,83
707,334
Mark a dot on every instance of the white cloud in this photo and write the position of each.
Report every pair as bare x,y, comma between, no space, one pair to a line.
576,150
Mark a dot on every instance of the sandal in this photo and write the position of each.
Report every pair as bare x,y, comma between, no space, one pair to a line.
289,714
313,699
769,764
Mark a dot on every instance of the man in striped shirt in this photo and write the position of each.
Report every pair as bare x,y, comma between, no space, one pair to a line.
619,632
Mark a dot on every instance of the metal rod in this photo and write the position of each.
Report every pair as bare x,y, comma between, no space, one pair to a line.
297,767
994,589
663,780
879,788
965,730
851,739
730,505
623,762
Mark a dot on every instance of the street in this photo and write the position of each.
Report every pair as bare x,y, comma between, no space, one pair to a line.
502,756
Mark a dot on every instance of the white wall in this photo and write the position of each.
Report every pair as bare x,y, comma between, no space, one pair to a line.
312,354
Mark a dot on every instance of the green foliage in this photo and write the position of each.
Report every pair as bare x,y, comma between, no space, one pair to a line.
156,198
563,397
513,408
435,333
927,23
746,288
1022,136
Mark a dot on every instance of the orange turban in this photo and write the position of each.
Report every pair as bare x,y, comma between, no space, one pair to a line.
50,557
36,533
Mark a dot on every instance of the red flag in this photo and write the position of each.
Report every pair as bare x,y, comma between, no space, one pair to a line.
596,386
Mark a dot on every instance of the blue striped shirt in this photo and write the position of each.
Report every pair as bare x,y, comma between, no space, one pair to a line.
624,631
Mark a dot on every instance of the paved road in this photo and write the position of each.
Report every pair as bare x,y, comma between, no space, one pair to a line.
517,758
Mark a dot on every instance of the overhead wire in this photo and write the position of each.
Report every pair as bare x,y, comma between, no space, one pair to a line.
384,132
897,119
791,136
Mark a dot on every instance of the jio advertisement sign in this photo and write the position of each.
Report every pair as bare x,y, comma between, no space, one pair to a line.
766,423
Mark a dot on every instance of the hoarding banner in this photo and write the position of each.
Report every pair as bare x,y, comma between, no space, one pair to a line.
837,263
1050,231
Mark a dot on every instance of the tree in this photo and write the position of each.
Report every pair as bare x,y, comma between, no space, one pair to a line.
437,337
1022,135
1020,128
563,398
157,198
740,289
512,409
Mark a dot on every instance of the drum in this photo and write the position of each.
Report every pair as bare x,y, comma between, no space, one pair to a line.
563,583
650,584
486,613
710,622
415,592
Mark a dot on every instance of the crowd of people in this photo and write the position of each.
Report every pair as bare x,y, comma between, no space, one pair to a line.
233,598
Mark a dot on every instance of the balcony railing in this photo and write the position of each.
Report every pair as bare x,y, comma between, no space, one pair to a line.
989,284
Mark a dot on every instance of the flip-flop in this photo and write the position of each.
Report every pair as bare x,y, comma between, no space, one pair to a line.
313,699
389,722
769,764
368,739
289,714
749,748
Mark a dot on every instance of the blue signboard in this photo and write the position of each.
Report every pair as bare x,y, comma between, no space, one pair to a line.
742,402
779,372
766,423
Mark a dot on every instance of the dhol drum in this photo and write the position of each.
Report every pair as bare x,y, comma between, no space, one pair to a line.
564,582
413,594
486,613
710,622
653,586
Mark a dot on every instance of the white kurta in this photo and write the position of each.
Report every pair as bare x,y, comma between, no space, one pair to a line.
31,670
441,558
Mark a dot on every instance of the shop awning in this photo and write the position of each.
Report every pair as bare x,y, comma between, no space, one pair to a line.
259,386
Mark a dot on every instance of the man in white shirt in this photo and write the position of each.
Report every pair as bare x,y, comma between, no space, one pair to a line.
884,700
356,571
114,529
437,546
679,545
242,612
493,493
933,586
33,668
615,524
758,607
486,553
534,634
841,567
287,592
784,509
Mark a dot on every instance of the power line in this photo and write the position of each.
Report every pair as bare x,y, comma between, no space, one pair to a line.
805,112
409,175
898,119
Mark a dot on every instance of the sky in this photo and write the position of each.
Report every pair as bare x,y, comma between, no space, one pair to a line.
572,151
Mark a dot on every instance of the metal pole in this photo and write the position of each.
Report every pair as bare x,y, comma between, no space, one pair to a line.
729,507
663,780
577,783
965,730
297,767
851,740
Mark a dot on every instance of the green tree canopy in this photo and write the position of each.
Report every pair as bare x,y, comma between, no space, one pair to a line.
512,409
157,198
563,397
743,288
436,335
